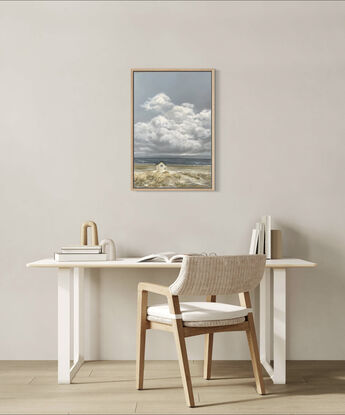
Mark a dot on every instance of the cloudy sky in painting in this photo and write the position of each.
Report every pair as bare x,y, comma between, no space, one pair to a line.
172,114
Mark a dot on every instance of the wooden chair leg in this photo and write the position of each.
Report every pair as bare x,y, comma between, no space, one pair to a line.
141,337
208,355
183,362
254,353
208,346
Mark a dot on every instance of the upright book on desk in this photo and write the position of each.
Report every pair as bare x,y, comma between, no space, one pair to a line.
254,240
267,222
257,242
261,242
261,245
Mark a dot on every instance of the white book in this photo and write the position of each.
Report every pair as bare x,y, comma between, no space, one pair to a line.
261,237
83,248
254,242
267,221
61,257
80,250
168,257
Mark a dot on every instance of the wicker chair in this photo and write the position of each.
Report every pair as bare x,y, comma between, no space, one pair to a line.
209,276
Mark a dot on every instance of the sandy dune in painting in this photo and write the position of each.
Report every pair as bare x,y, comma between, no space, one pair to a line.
176,176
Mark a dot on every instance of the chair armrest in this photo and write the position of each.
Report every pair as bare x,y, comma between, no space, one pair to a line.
154,288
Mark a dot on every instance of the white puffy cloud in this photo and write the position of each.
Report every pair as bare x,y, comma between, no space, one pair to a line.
175,130
160,103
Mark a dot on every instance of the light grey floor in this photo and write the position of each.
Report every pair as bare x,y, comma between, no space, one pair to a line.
108,387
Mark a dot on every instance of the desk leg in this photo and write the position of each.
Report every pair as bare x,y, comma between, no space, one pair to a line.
279,326
265,322
78,320
64,315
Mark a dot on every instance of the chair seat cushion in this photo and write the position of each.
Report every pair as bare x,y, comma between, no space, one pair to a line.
200,314
206,323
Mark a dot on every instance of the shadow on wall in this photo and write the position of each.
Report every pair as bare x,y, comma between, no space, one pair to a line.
295,243
315,290
315,247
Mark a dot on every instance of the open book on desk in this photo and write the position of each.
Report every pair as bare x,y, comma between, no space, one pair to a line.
169,257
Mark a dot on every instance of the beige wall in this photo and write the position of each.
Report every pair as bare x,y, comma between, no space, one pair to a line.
65,158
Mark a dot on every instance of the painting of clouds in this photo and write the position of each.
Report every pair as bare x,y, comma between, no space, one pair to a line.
172,131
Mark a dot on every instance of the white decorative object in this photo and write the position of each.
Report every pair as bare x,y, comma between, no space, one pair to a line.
108,247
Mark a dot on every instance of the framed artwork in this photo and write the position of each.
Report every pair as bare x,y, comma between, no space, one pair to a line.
173,129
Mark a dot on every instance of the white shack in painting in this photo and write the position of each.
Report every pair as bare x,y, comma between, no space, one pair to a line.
161,166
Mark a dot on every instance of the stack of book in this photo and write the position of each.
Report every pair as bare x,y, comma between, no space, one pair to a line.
261,237
80,253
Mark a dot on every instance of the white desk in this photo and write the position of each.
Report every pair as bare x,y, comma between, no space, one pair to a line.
68,271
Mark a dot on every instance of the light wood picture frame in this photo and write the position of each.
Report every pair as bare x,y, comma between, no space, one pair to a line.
173,129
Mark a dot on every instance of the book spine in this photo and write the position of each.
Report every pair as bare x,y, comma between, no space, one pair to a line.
82,247
60,257
261,238
276,246
80,251
268,243
253,242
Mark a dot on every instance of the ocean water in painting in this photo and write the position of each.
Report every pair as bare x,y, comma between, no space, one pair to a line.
173,160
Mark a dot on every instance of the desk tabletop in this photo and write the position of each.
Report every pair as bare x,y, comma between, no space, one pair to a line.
133,263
